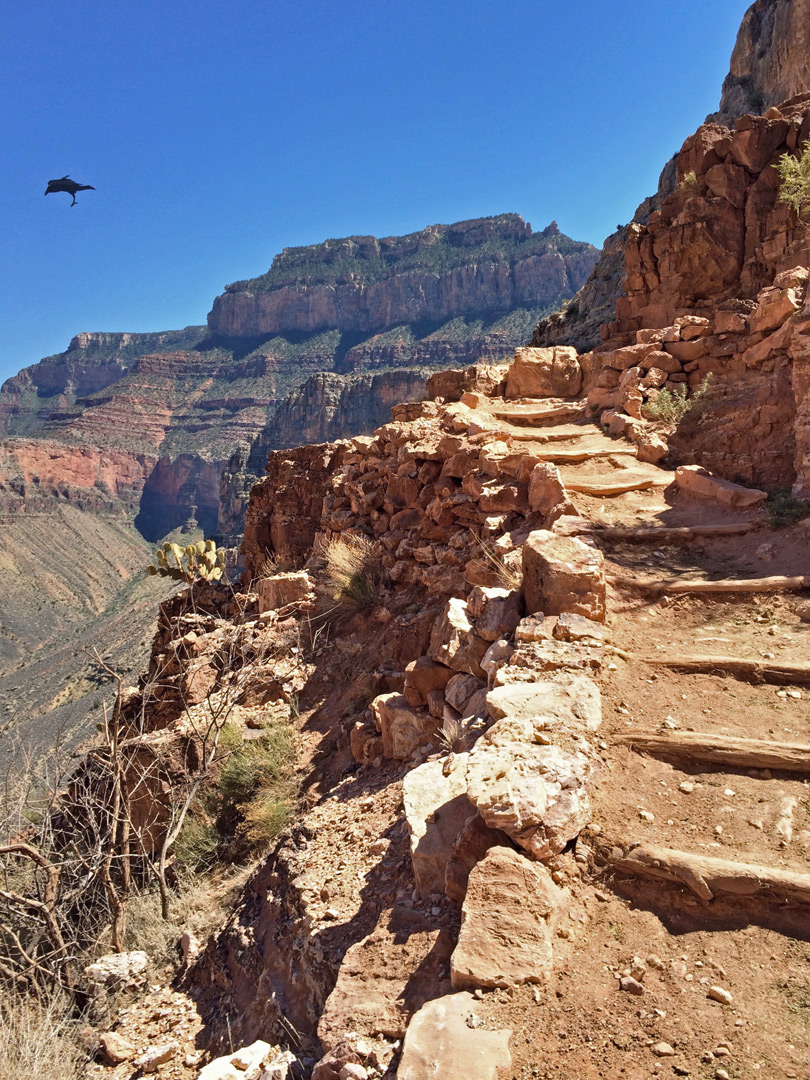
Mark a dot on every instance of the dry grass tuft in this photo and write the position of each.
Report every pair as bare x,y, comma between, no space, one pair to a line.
353,570
37,1038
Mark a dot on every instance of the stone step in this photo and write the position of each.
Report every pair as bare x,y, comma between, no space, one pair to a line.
657,534
604,485
575,455
537,415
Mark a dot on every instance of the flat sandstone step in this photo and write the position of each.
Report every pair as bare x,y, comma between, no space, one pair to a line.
541,414
722,750
708,877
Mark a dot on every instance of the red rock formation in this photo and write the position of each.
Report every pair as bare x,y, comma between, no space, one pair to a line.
770,61
712,289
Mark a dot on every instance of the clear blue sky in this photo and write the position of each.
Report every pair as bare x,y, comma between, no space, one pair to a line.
218,133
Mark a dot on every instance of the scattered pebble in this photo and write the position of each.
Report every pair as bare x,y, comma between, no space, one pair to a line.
686,787
645,815
663,1049
717,993
631,985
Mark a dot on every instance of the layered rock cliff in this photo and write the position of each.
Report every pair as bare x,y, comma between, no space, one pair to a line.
771,59
364,284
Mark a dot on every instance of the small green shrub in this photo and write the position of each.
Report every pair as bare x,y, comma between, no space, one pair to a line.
200,561
197,845
671,406
794,174
784,509
689,181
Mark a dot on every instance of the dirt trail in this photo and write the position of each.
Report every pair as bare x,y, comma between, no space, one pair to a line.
583,1025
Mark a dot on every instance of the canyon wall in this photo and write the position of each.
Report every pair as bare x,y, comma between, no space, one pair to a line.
716,289
362,284
771,59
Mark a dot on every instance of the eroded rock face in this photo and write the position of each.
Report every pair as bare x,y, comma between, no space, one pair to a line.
507,922
769,62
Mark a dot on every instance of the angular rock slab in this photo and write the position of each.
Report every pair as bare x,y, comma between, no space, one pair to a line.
561,573
454,643
385,978
402,727
440,1044
536,794
436,810
507,923
567,703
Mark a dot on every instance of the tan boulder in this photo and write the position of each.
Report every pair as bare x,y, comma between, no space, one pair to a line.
402,727
535,793
561,573
444,1042
422,676
507,921
552,372
436,810
453,641
547,495
566,702
285,590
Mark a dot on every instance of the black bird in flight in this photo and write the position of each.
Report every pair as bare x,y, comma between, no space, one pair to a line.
68,185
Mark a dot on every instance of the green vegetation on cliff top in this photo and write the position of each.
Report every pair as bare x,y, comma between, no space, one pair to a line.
366,260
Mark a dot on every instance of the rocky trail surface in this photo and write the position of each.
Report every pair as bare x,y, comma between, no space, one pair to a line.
644,914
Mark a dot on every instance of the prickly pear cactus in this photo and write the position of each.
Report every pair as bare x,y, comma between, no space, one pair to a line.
202,561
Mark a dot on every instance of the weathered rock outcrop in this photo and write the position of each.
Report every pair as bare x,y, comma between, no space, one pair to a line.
366,285
769,64
716,284
770,61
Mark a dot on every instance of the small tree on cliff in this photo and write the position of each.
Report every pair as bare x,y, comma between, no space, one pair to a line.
795,176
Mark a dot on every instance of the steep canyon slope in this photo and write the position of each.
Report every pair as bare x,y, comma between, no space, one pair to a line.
144,430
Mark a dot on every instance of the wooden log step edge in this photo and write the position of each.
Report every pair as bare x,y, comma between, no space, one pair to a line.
708,877
797,674
661,534
697,746
724,585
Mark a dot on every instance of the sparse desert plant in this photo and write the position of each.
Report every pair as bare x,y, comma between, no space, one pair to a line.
794,174
353,570
508,577
689,181
200,561
37,1038
671,406
785,509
